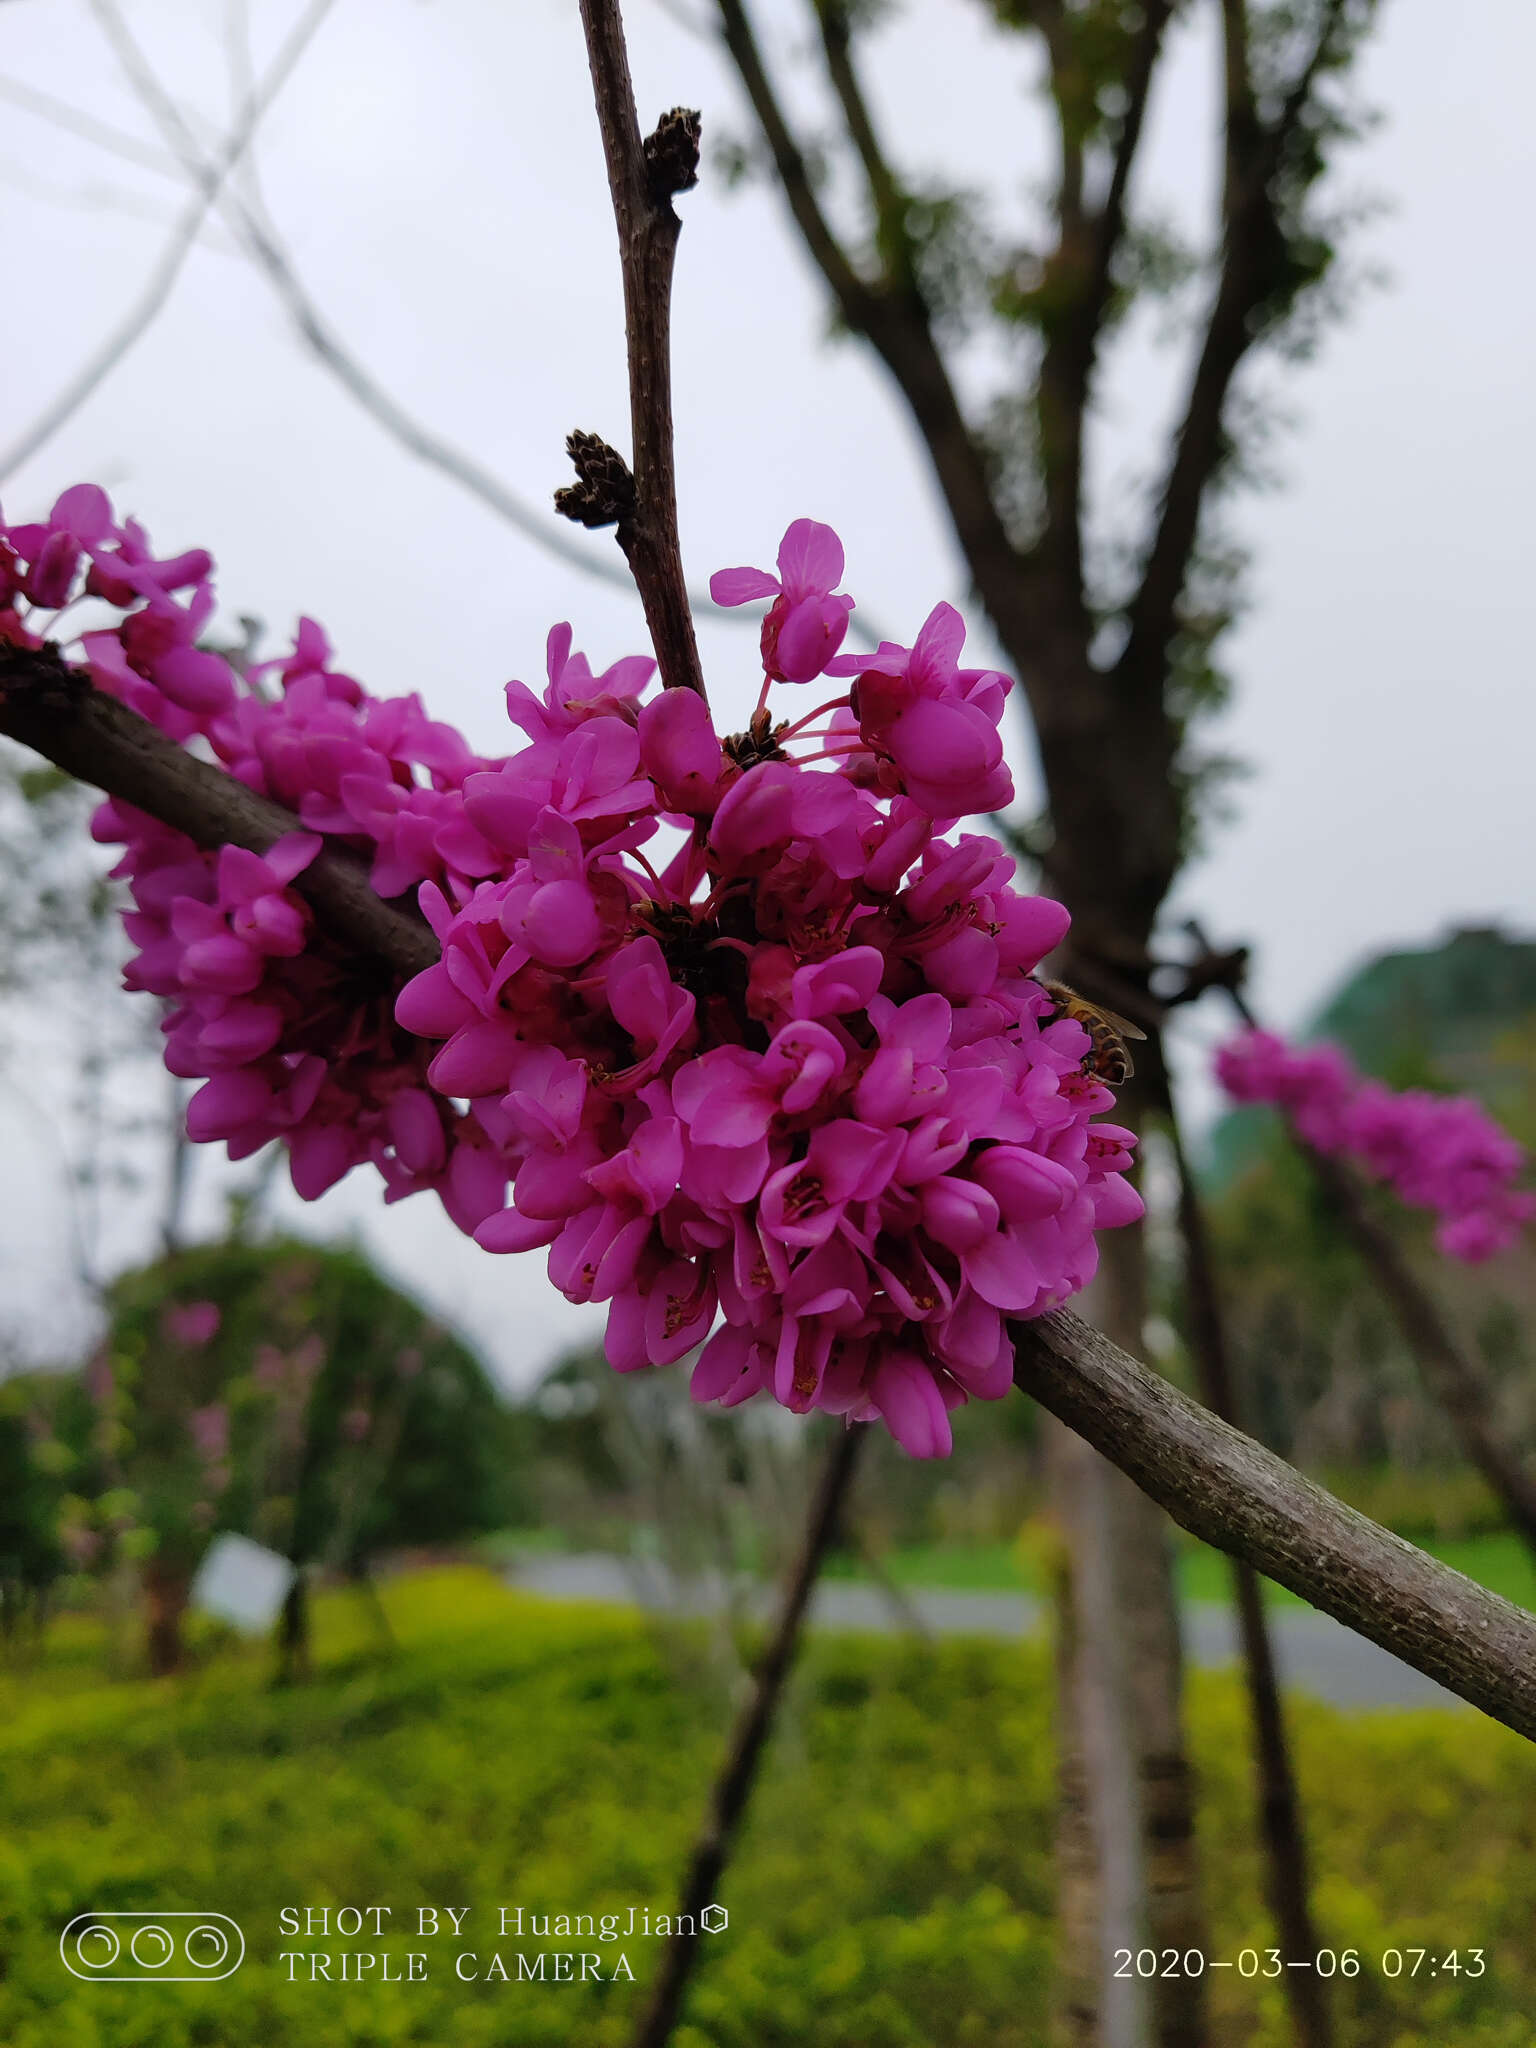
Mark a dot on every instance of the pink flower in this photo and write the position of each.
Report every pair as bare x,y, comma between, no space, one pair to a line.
1438,1152
210,1429
935,723
193,1323
805,624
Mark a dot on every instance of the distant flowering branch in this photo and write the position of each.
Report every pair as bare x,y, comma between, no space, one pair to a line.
794,1073
1443,1153
1468,1173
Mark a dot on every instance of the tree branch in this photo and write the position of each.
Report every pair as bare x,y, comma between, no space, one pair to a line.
1211,1479
853,296
1082,273
267,253
63,115
1252,241
166,272
1232,1493
754,1724
1110,223
885,194
57,713
897,327
642,179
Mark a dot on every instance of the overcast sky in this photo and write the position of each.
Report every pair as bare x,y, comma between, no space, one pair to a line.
434,169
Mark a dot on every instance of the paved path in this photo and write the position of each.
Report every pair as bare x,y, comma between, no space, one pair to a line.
1316,1654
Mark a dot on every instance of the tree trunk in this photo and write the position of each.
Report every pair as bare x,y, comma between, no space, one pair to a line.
166,1587
1123,1759
1153,1653
293,1634
1100,1875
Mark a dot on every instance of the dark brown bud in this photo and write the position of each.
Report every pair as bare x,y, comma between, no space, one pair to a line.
604,491
672,153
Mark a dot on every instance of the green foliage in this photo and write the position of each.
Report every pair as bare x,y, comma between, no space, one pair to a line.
354,1421
32,1468
892,1887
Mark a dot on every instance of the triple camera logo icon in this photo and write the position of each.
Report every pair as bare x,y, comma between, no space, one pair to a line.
149,1948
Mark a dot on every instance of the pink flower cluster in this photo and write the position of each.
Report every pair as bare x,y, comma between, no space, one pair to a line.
1439,1152
292,1036
787,1091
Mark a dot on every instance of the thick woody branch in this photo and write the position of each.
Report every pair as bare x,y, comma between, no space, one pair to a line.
1213,1480
91,736
1234,1494
1251,238
884,192
642,179
738,1772
1082,269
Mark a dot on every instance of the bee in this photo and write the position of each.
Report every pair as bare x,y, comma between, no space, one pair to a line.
1108,1058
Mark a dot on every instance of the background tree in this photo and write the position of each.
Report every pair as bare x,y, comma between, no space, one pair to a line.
1112,629
287,1392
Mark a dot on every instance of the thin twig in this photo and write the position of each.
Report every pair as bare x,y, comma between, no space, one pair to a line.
166,272
262,245
1279,1805
100,741
642,179
63,115
754,1724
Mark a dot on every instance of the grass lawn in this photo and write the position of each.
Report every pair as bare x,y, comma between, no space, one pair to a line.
894,1883
1500,1562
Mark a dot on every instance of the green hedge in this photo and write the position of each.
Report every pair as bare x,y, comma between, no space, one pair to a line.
893,1887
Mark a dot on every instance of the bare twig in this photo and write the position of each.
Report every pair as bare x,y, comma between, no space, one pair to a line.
102,133
733,1786
93,737
1279,1806
1234,1494
266,251
643,178
166,272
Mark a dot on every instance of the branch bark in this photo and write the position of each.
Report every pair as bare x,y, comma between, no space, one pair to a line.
91,736
642,177
738,1773
1234,1494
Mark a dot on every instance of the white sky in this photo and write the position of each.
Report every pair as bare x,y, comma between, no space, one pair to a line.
435,170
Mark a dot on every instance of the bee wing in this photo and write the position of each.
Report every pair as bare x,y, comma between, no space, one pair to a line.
1122,1024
